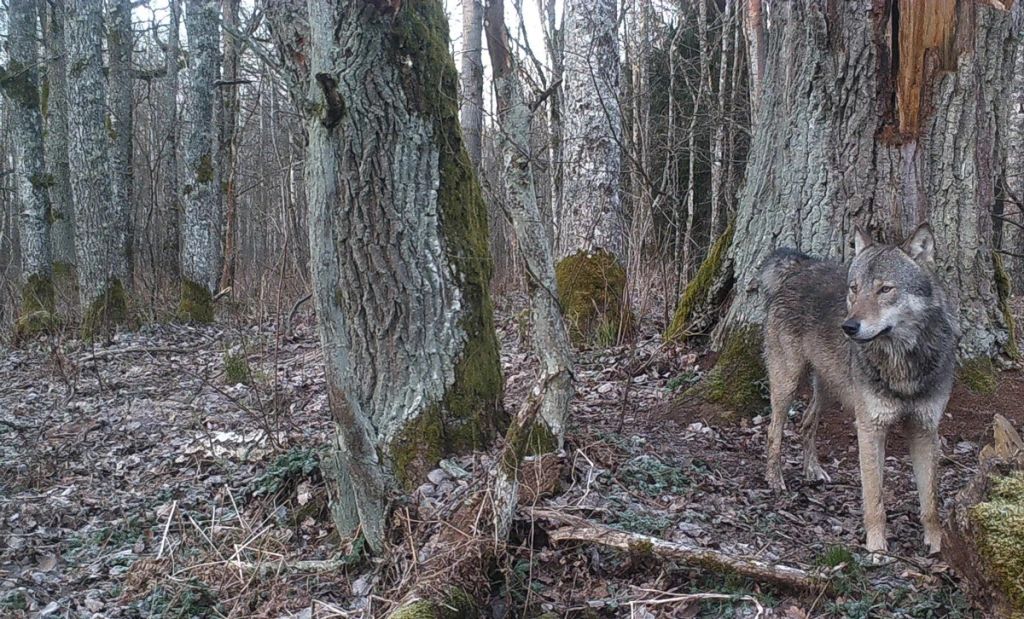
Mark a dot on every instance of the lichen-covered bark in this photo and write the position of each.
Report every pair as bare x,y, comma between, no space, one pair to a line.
200,194
472,78
170,202
227,148
55,137
398,238
1012,142
101,262
550,339
19,81
827,152
119,45
591,217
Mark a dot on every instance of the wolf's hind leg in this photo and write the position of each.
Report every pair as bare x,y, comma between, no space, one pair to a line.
924,454
809,431
783,377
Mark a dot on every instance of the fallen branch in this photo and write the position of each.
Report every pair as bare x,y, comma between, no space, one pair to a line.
267,568
112,352
580,530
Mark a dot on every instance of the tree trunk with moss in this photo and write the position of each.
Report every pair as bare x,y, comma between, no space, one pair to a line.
101,262
550,338
591,228
169,190
200,193
884,118
398,238
119,49
1012,142
55,111
19,81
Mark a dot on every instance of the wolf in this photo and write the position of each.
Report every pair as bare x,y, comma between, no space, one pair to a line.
880,337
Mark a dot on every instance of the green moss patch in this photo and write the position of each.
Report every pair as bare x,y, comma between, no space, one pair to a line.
196,303
1000,525
979,375
591,289
738,384
37,315
457,604
107,311
696,292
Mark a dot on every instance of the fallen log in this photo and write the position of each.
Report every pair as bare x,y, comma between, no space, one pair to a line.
576,529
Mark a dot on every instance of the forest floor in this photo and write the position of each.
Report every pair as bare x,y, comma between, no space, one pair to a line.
174,473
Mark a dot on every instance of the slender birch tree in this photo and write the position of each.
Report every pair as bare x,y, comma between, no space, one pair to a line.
120,44
472,108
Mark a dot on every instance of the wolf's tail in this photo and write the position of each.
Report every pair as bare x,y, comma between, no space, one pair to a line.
776,268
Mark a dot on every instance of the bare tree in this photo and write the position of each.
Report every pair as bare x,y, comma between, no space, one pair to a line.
227,148
19,81
550,339
591,228
102,269
472,109
399,257
120,44
62,208
201,197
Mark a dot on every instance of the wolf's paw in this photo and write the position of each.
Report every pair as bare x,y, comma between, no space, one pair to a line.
774,478
879,558
813,472
933,540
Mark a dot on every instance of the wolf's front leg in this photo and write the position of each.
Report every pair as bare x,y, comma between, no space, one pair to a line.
871,448
924,453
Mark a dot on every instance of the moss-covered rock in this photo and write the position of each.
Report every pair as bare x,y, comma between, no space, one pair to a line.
696,293
107,311
999,523
979,375
591,289
196,303
37,315
738,383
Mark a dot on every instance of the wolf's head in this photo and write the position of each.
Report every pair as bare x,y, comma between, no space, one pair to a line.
890,287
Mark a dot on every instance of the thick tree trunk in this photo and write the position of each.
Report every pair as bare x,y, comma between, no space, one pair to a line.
20,84
472,78
550,339
101,262
119,46
398,238
62,208
1012,141
200,195
169,155
839,140
227,148
591,229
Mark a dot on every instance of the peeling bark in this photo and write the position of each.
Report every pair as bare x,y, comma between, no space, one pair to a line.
101,262
19,81
821,160
200,195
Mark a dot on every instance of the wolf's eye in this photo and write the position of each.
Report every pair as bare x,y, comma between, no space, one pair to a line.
884,289
853,288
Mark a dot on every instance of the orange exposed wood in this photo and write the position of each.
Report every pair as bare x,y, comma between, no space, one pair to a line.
927,29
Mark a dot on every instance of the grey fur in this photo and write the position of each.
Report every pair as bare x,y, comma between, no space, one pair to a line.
894,366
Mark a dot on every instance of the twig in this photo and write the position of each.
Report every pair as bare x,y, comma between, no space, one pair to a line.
112,352
167,526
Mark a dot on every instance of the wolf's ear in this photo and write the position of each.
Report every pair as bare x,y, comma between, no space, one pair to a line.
921,245
861,240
